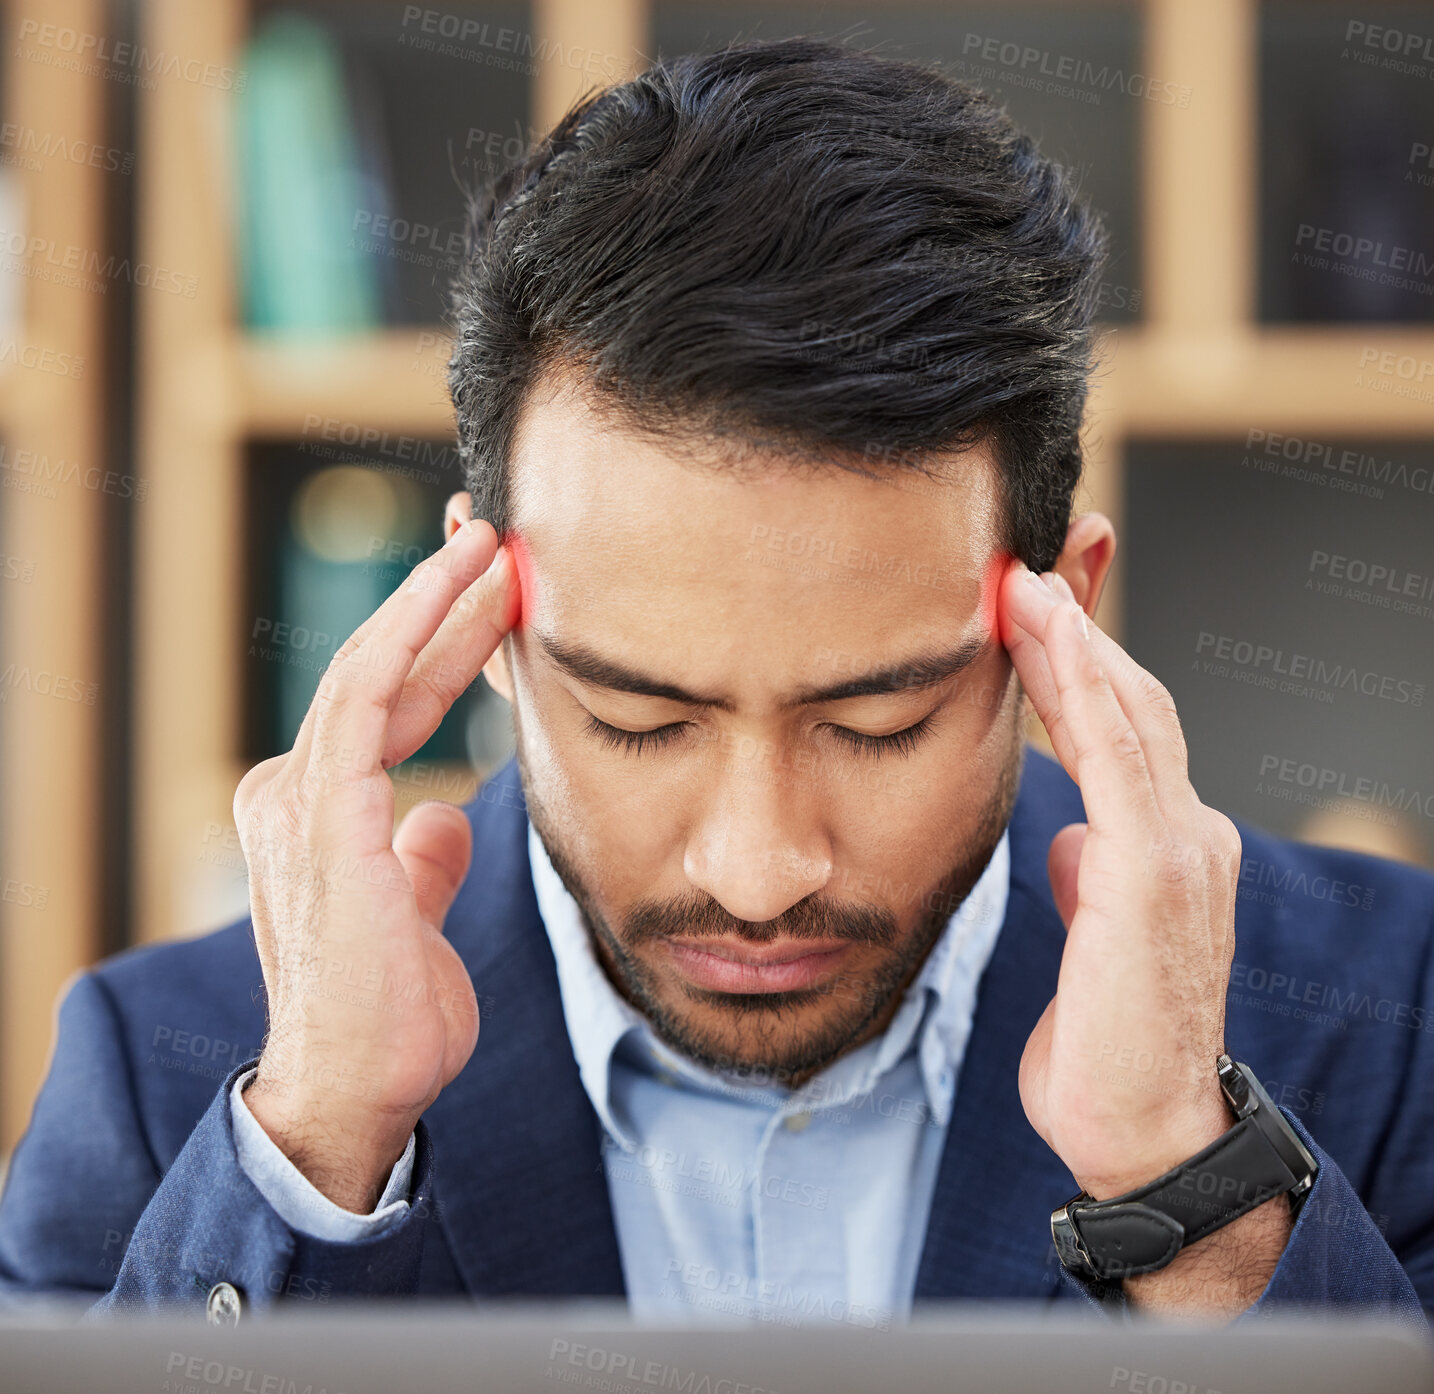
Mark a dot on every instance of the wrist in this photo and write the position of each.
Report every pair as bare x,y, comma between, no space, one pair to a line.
1147,1157
1223,1273
1203,1231
345,1155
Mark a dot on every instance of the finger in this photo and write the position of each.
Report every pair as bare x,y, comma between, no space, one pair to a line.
1151,709
253,780
435,845
1026,606
1111,768
248,826
453,658
1146,703
1035,1068
359,690
463,538
1062,863
1028,655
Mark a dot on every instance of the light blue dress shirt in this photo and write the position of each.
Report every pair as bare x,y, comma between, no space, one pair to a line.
731,1198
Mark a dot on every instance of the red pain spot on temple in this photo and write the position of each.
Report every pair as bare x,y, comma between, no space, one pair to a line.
991,579
523,561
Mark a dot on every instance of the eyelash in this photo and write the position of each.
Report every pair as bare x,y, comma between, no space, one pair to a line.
901,742
632,741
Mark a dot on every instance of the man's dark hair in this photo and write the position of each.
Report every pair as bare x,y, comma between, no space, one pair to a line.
796,247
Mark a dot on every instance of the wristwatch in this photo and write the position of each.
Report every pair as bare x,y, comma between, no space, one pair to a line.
1141,1231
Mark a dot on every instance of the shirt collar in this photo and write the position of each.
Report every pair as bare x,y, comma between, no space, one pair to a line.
939,1005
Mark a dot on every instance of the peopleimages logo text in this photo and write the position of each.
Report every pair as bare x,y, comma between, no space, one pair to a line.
1374,575
1338,784
1321,672
1354,247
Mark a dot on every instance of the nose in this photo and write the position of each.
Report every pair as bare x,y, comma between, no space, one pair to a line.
760,845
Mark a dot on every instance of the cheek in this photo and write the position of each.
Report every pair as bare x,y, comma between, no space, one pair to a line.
547,758
896,843
882,818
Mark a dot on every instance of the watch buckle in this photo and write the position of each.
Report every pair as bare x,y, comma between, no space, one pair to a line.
1070,1249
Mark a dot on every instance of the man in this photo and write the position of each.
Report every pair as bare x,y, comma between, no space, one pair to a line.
806,992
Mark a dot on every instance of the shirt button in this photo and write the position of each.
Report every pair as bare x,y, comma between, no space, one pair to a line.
224,1305
796,1122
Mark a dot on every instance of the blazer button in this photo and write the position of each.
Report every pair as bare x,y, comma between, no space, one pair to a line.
224,1305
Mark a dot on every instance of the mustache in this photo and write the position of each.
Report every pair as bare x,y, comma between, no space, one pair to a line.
699,916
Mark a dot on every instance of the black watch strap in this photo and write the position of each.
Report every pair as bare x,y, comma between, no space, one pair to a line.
1141,1231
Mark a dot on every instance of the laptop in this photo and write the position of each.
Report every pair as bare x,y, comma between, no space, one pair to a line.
461,1348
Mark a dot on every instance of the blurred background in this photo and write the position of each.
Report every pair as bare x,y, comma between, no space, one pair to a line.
226,232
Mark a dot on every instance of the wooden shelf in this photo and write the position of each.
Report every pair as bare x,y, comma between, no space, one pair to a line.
394,380
51,750
1223,383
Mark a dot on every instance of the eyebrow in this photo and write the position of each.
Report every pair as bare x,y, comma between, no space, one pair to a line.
913,674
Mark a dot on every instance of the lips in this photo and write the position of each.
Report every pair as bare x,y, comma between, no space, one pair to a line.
735,965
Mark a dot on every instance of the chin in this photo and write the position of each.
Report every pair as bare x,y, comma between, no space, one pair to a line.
779,1036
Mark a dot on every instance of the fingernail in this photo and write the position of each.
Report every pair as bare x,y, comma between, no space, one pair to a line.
1084,625
459,533
1033,579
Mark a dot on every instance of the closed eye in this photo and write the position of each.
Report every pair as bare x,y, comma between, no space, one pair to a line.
620,738
901,742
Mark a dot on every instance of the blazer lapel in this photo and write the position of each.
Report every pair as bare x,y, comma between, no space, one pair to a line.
519,1184
989,1231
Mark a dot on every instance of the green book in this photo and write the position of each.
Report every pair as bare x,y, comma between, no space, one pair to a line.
304,260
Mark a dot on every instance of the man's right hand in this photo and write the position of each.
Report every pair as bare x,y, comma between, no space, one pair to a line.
371,1011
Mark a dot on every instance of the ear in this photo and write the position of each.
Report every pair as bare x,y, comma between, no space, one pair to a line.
496,670
1085,560
457,511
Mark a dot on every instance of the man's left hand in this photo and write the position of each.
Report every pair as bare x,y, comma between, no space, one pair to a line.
1119,1074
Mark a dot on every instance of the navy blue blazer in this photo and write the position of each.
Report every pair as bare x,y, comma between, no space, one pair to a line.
127,1187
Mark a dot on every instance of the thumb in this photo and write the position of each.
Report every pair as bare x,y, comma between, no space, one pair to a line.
1034,1069
435,845
1061,863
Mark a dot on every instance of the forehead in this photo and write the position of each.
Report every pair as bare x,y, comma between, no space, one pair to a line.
636,544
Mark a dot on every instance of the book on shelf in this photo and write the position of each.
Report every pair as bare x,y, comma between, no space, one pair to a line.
304,267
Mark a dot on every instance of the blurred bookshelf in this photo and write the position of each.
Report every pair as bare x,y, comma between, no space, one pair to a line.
1190,359
54,511
225,400
1208,336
